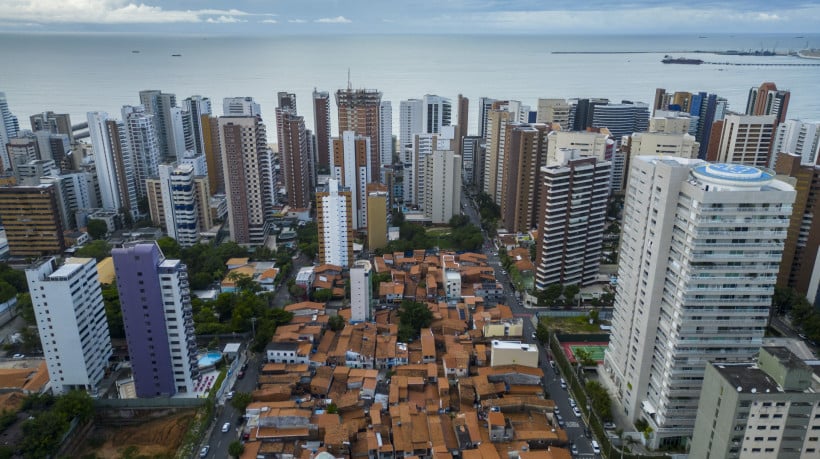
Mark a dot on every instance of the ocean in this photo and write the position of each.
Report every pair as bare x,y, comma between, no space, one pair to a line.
87,72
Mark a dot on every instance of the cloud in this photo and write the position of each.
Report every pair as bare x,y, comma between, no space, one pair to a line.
296,21
225,20
108,12
270,21
336,20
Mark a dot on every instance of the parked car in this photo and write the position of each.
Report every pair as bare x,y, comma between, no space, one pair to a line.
18,356
609,426
204,451
563,384
574,449
230,395
240,375
596,448
226,427
576,411
572,403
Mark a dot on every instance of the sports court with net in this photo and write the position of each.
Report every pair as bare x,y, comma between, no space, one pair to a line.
595,350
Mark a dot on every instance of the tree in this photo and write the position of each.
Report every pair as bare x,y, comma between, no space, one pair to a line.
97,229
241,400
42,435
549,296
7,292
95,249
170,247
322,295
332,408
236,448
336,323
75,404
569,293
542,333
113,311
26,308
413,316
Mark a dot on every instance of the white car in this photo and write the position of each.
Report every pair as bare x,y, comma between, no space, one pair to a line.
563,384
572,403
204,451
230,395
226,427
18,356
576,411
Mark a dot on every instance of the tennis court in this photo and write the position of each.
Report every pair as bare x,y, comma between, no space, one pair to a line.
595,350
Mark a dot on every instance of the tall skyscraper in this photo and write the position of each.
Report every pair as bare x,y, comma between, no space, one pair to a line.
377,205
472,161
485,104
55,123
496,131
350,168
700,250
622,119
8,130
21,150
240,106
525,153
31,218
246,166
143,145
361,292
745,140
160,104
442,189
113,162
359,112
68,306
335,224
571,219
554,111
159,328
436,112
659,143
410,122
294,152
213,154
181,199
198,109
768,100
581,112
415,176
321,127
800,138
592,142
386,133
463,108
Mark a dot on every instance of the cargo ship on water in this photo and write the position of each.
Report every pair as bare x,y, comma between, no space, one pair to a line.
681,60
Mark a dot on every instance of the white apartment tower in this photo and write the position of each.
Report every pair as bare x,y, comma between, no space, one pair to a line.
496,134
701,247
68,306
180,203
143,144
196,107
554,111
335,225
436,113
116,169
571,219
361,292
240,106
801,138
386,133
410,121
8,130
442,190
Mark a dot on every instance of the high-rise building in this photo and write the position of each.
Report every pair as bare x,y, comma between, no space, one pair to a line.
800,138
598,143
442,189
763,408
8,130
472,160
415,173
673,123
745,140
55,146
704,110
178,202
246,165
386,133
160,104
198,109
361,292
334,215
410,122
581,112
321,127
799,269
31,218
700,251
240,106
156,310
359,112
377,205
350,168
660,143
213,154
525,153
21,150
143,145
485,104
68,306
621,119
497,120
463,108
113,162
55,123
436,112
768,100
294,152
571,220
554,111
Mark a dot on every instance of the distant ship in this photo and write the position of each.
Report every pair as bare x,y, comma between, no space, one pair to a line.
176,55
135,51
680,60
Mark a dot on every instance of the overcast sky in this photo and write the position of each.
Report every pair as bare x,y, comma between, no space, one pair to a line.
410,16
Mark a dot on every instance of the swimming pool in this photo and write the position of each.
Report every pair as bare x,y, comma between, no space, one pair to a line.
209,359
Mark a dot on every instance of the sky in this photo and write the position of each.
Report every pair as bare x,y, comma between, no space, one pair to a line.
270,17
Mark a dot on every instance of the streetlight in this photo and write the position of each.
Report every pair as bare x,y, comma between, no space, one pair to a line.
253,326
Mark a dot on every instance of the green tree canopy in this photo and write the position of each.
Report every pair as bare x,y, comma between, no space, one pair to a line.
570,291
97,229
413,316
236,448
95,249
336,323
241,400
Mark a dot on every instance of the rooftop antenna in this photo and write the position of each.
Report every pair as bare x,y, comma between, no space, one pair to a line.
348,79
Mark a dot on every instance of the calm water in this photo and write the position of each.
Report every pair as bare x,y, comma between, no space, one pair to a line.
80,73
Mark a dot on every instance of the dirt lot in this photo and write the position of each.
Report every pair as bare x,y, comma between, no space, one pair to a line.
156,438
